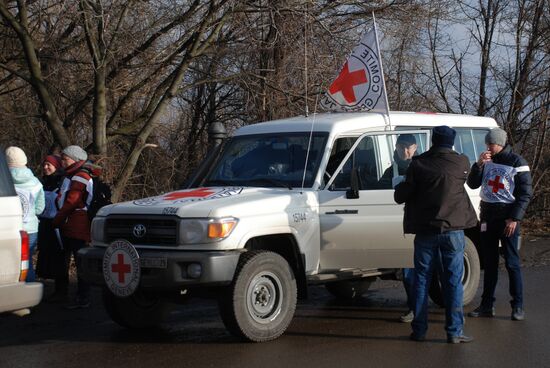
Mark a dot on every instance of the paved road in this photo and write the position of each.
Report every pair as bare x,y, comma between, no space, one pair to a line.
324,333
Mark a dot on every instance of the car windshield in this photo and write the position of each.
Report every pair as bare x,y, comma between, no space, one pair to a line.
269,160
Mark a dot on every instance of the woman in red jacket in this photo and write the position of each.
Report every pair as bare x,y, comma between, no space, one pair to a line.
73,199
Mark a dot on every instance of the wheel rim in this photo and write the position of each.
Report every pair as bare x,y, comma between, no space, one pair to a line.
264,297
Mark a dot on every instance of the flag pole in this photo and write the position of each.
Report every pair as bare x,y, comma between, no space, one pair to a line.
382,70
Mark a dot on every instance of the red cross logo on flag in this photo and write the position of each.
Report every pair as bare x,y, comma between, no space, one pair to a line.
346,81
360,84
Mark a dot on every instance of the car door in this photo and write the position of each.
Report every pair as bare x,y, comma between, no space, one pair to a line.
367,231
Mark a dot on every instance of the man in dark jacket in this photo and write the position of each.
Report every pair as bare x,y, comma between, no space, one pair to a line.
437,210
506,190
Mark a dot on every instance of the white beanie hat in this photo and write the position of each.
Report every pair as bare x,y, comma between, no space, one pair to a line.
76,153
16,157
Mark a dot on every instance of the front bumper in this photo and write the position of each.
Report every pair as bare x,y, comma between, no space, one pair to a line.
166,270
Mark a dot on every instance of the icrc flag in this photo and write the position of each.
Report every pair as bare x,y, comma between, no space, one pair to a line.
360,84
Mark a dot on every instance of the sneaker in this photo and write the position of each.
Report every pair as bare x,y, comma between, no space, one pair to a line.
518,314
459,339
79,304
407,317
22,312
482,311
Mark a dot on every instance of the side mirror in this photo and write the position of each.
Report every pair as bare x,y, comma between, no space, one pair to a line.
353,193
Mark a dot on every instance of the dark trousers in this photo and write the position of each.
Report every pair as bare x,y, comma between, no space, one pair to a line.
510,250
70,247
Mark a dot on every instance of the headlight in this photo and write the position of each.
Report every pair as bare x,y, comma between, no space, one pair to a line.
195,231
97,231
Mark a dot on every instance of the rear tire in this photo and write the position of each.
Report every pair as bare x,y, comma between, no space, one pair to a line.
470,280
260,303
348,289
138,311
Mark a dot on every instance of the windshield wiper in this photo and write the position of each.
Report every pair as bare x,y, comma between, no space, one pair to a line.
278,183
217,182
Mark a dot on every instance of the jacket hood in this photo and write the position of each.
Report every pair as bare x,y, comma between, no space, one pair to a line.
72,169
93,169
23,175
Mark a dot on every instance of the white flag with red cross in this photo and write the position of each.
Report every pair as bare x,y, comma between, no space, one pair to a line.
360,84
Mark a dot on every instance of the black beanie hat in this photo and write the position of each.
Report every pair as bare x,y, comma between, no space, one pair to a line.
406,139
443,136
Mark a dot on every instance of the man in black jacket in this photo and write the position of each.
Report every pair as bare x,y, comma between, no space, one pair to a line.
437,210
506,190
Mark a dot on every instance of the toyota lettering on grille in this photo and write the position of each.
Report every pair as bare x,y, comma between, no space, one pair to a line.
139,230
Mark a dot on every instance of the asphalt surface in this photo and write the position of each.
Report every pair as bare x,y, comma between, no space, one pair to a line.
324,333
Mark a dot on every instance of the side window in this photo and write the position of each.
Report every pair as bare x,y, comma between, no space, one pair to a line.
378,159
6,183
339,150
479,141
470,142
364,160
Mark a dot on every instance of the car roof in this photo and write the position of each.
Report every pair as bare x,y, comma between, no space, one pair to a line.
358,122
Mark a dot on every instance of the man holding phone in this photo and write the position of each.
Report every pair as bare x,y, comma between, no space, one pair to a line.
506,189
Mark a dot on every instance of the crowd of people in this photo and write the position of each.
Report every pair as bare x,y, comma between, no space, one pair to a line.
55,215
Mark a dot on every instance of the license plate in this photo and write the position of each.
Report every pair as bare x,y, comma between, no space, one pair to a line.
154,262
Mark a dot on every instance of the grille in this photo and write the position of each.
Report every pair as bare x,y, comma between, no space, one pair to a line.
158,231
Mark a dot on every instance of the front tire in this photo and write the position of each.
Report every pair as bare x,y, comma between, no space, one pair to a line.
138,311
470,279
260,303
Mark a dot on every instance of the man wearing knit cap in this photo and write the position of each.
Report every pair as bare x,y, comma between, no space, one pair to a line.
437,210
405,149
506,189
74,198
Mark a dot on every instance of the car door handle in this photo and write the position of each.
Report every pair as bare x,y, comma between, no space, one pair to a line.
343,212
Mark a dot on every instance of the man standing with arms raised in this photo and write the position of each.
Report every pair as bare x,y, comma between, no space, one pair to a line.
437,210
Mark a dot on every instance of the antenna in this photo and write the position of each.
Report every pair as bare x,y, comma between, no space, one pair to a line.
305,60
309,141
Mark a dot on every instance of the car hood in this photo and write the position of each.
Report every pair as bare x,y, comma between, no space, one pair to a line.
209,202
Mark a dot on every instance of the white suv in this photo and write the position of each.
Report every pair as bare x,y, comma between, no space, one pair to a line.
279,206
15,294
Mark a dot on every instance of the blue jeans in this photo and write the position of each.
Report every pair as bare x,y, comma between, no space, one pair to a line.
408,283
428,250
33,239
510,250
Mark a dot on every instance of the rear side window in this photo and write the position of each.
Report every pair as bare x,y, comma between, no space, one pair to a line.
470,142
6,184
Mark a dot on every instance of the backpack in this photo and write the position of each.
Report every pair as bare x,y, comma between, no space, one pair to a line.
101,196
